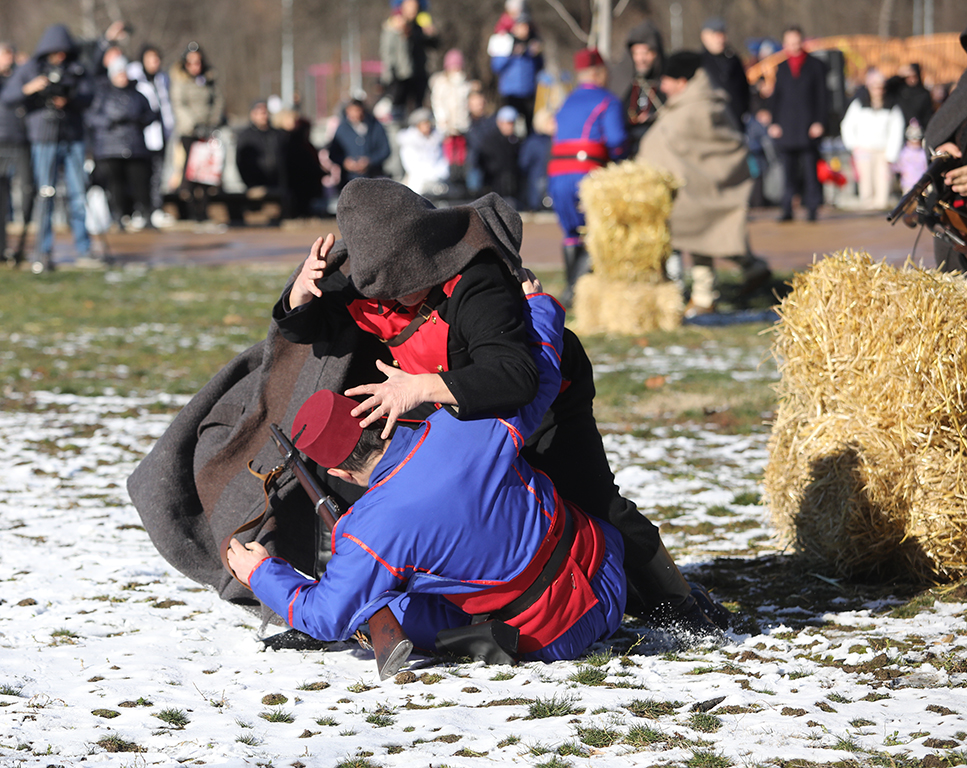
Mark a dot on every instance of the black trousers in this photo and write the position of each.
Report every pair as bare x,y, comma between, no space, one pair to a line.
801,163
15,162
129,184
568,448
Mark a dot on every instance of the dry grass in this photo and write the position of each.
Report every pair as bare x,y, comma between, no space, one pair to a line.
868,455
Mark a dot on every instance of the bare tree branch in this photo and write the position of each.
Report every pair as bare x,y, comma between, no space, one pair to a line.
579,33
620,7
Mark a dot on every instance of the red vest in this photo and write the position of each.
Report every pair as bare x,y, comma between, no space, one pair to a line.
423,352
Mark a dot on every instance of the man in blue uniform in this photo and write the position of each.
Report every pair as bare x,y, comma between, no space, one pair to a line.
590,133
454,524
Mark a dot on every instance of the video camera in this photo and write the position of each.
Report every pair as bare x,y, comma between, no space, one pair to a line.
931,203
62,79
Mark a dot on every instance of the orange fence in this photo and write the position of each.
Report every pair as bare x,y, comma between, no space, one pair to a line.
941,57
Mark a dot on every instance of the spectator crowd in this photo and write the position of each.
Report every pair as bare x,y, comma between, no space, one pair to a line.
78,116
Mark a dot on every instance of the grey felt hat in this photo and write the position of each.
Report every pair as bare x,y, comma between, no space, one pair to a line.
399,243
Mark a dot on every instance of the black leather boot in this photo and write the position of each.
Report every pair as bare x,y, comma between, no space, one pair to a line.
570,260
667,600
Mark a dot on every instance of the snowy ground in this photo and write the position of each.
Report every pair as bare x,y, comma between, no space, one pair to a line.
109,657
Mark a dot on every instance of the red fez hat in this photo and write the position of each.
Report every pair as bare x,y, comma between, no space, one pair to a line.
587,58
329,432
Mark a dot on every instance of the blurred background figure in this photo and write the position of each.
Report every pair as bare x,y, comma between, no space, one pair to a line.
261,157
304,171
590,133
637,81
911,163
155,85
499,156
14,163
694,139
873,132
798,115
403,46
480,122
198,106
118,116
54,89
535,151
516,58
425,167
359,146
907,91
724,68
449,94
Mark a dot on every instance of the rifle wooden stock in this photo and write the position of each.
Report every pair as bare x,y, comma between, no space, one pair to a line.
390,643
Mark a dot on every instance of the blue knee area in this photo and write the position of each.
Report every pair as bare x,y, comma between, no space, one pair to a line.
422,616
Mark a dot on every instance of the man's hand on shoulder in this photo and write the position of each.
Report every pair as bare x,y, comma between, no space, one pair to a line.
529,282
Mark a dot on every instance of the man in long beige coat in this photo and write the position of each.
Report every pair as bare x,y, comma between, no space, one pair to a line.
694,138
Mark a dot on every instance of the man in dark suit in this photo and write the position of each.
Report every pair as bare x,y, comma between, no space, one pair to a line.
798,107
724,68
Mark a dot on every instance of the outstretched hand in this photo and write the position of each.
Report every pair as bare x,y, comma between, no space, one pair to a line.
244,557
401,392
306,285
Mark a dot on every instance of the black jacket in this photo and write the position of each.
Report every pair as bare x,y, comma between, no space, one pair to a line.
725,70
12,128
261,157
47,123
117,118
490,364
798,102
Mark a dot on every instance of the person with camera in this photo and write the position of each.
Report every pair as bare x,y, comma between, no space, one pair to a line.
55,90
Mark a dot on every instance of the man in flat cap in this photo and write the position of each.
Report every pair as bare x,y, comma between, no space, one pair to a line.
455,525
590,133
441,289
695,139
724,68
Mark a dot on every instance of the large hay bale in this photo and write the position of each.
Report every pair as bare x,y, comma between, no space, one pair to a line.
626,208
867,469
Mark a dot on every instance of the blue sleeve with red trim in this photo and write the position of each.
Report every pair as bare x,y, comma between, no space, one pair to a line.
333,607
544,319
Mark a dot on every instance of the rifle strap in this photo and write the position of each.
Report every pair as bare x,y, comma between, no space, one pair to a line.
267,478
433,298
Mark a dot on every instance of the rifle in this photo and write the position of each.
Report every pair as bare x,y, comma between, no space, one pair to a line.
390,643
928,202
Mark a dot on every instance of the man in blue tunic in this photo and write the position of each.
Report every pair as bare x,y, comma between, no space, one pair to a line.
454,524
590,133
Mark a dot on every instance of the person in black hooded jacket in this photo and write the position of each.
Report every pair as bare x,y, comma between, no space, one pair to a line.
637,80
55,90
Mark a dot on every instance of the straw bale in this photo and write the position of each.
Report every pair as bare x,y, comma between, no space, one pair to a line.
626,207
867,467
603,305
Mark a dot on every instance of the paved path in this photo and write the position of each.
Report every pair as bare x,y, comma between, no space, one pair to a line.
787,247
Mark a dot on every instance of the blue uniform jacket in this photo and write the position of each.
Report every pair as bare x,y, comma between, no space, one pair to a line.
451,508
589,114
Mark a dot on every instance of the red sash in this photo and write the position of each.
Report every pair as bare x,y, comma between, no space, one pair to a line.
576,156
